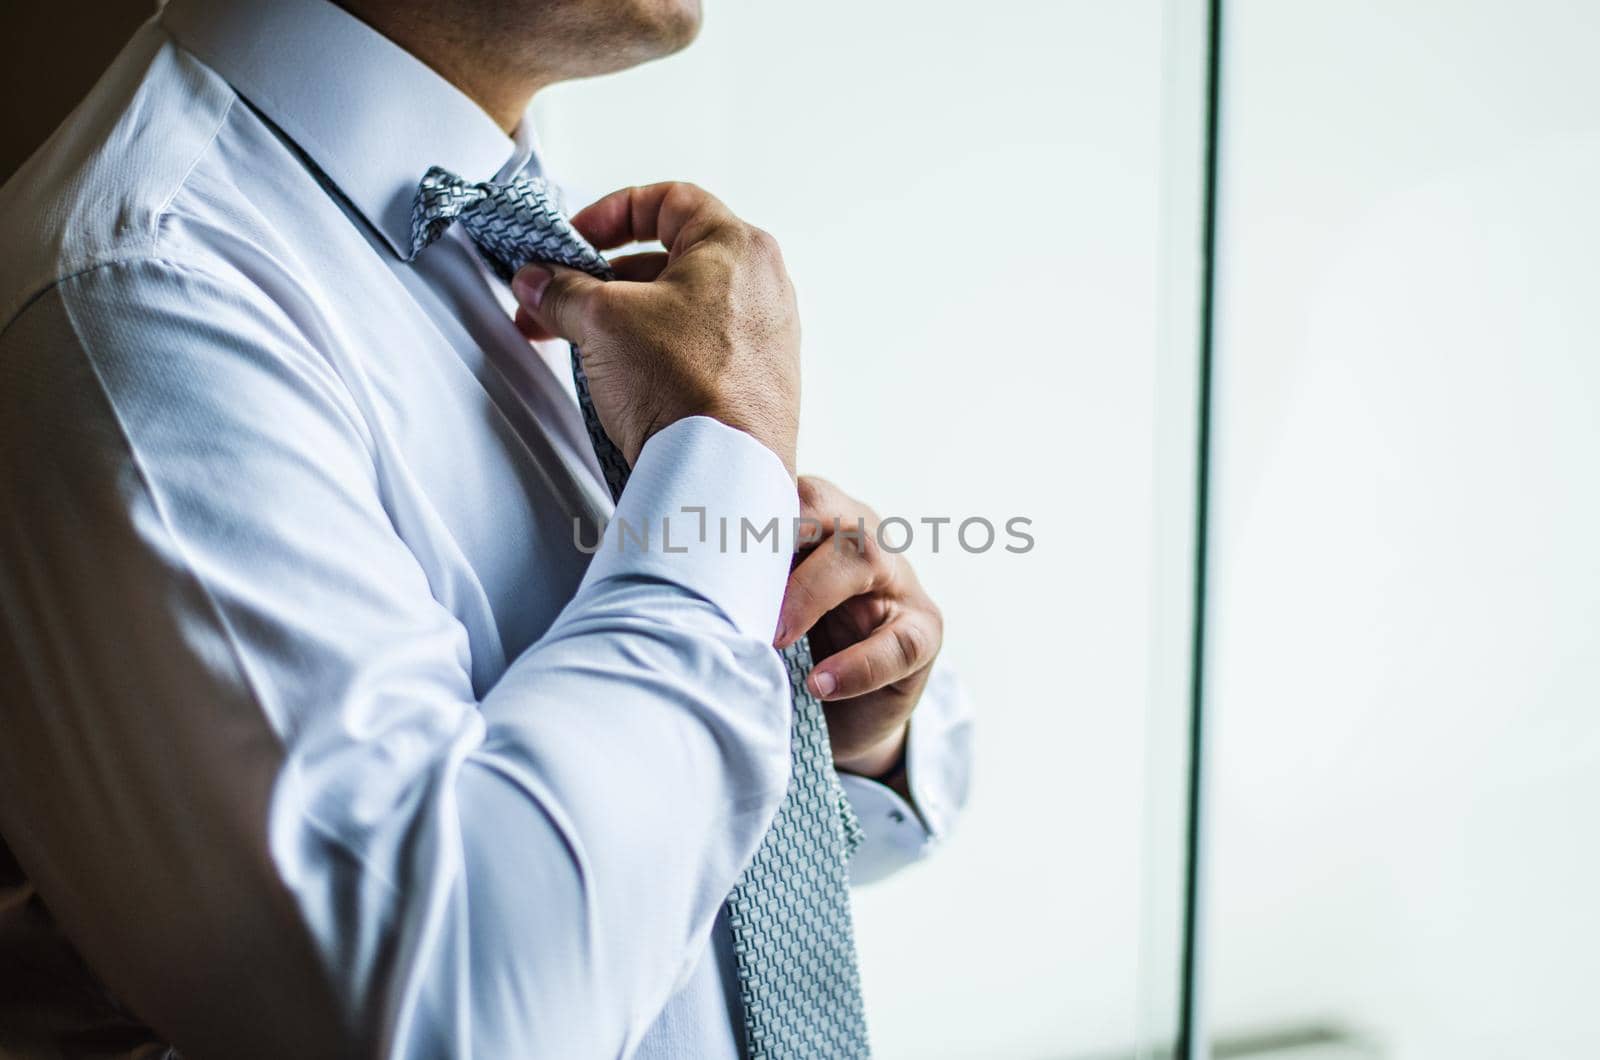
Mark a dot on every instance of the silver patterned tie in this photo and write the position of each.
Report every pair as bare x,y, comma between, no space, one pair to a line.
790,912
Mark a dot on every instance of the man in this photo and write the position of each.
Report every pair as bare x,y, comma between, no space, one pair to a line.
324,732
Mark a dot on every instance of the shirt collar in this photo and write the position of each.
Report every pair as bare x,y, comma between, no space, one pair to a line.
368,113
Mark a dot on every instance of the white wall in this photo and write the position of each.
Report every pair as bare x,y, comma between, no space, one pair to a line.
967,199
1406,683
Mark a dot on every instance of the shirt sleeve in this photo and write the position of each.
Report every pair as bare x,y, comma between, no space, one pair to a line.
897,833
244,762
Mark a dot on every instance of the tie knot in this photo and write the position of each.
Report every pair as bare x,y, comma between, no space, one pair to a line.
512,223
441,198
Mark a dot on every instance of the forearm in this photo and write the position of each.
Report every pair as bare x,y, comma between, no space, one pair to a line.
576,856
581,837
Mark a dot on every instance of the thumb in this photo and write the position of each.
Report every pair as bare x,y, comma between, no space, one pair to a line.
557,298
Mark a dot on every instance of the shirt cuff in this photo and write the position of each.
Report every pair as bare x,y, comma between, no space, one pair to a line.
712,510
938,775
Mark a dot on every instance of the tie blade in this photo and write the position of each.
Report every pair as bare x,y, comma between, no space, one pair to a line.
532,206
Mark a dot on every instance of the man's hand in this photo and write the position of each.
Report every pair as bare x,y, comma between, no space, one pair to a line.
874,632
708,328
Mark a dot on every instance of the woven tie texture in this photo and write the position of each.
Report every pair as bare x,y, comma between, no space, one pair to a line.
793,939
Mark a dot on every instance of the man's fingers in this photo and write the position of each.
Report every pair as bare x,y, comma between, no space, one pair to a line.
531,329
894,651
652,212
558,299
821,501
831,574
639,268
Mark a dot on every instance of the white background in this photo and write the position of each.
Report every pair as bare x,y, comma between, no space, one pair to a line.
1407,593
967,198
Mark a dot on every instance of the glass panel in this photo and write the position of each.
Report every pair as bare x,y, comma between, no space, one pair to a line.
971,202
1169,949
1407,590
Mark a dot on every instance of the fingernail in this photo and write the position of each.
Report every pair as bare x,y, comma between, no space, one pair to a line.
782,633
825,683
529,284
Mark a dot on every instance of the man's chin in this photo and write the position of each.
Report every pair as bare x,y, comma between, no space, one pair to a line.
677,23
620,34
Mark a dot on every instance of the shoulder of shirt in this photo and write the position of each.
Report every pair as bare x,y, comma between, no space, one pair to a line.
98,192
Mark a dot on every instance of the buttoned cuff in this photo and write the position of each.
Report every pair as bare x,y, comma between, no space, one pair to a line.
712,510
938,774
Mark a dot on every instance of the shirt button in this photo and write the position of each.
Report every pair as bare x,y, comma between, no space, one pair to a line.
897,817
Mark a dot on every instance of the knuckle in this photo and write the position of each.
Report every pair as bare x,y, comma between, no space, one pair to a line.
866,578
868,551
683,195
812,491
871,668
910,644
935,630
762,243
578,315
736,255
803,595
558,293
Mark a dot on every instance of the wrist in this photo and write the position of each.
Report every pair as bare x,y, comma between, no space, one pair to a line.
778,438
882,762
770,426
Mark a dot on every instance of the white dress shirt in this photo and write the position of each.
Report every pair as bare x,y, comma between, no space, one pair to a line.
320,735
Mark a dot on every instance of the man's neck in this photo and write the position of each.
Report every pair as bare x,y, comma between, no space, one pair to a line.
453,54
